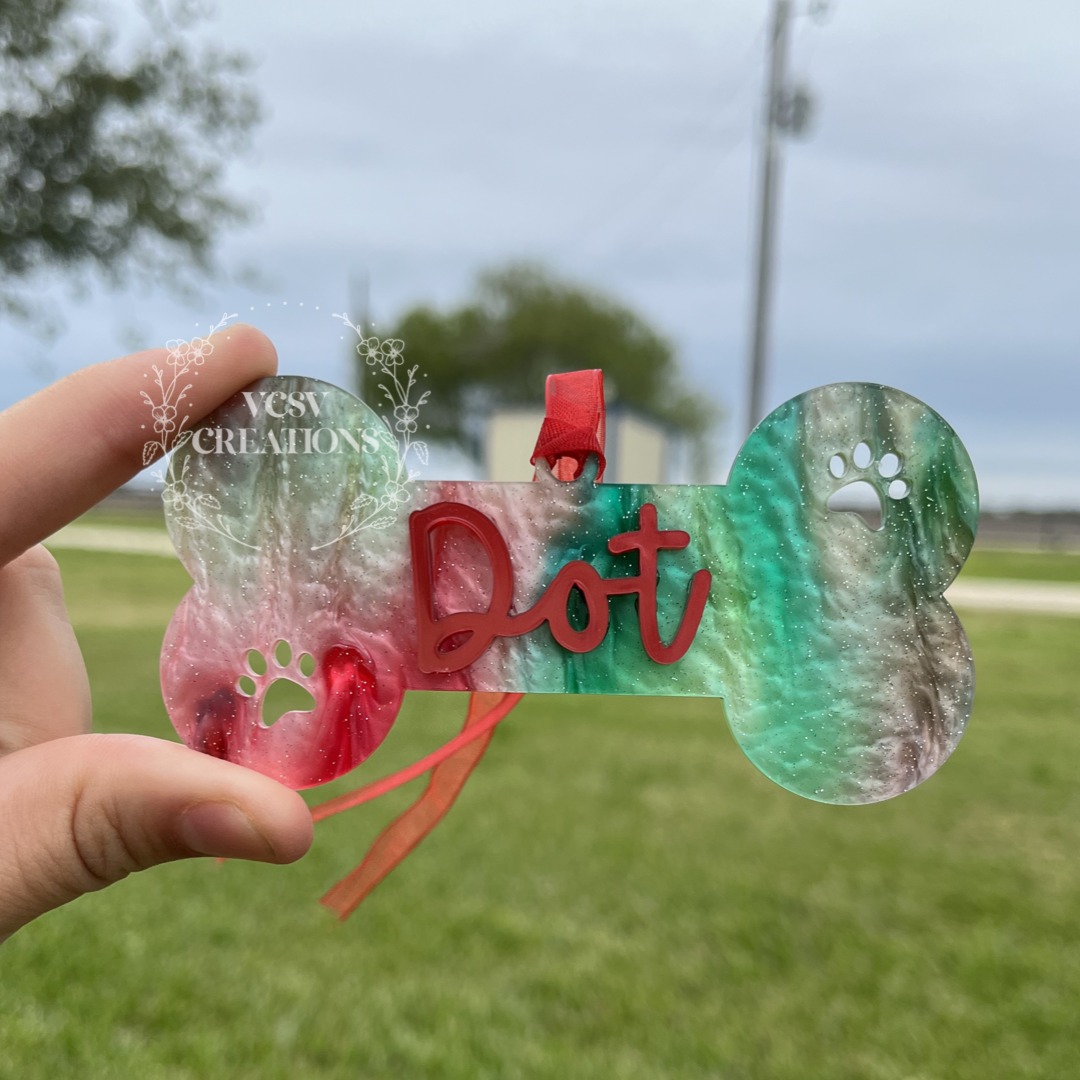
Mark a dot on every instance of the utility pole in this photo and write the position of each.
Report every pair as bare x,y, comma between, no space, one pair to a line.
780,115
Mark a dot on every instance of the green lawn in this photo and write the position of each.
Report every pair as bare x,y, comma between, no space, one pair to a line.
618,894
125,517
988,563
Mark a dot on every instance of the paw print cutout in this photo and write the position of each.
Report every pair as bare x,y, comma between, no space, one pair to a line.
869,484
278,685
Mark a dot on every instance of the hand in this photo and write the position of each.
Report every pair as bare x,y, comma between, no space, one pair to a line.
80,811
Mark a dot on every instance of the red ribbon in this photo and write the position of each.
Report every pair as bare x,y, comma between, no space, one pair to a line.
573,429
574,423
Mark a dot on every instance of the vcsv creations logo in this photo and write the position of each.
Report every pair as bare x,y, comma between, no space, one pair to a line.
298,439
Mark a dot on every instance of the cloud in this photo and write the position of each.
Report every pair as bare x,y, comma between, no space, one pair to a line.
930,233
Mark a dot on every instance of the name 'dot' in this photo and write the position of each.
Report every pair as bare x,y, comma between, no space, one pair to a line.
457,640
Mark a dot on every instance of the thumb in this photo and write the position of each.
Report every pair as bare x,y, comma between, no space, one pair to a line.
80,813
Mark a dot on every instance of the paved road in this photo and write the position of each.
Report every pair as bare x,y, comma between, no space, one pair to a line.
1004,594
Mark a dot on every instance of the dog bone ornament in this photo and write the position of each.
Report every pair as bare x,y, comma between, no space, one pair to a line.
845,675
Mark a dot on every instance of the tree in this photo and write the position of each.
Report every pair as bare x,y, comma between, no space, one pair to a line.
112,158
523,324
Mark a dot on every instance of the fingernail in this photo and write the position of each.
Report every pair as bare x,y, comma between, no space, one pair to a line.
223,830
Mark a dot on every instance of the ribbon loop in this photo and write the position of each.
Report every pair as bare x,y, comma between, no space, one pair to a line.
573,425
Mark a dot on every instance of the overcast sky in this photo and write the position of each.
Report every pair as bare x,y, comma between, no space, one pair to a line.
930,234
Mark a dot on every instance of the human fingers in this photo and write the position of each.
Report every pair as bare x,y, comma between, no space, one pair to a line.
66,447
45,691
82,813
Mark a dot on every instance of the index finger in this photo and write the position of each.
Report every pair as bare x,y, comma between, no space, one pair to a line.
65,448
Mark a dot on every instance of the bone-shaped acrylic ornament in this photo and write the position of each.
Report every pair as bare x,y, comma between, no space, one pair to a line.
845,675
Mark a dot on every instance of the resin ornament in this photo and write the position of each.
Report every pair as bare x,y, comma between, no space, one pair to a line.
845,675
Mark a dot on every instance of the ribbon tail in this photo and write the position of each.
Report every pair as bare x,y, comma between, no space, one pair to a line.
402,835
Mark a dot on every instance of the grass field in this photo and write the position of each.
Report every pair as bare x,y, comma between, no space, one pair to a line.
986,562
618,895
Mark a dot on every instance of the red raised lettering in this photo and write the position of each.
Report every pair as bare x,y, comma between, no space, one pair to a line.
457,640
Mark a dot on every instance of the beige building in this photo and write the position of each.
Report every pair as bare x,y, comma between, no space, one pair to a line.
637,449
